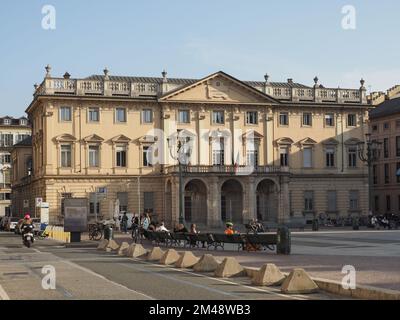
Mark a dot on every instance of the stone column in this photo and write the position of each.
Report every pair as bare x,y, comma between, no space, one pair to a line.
249,203
283,200
213,203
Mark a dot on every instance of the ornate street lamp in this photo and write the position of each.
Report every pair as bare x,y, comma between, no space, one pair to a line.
182,154
369,152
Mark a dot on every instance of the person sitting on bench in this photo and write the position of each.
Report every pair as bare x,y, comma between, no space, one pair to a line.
229,229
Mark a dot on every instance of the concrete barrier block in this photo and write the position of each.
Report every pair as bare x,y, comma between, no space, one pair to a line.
169,257
113,245
299,282
269,275
135,251
123,249
186,260
229,268
207,263
102,245
155,254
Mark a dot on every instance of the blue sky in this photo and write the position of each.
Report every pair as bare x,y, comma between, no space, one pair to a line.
286,39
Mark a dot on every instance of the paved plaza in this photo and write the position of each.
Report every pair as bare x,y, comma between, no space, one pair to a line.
85,273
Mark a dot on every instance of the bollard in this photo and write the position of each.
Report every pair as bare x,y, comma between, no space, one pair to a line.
315,225
284,242
108,232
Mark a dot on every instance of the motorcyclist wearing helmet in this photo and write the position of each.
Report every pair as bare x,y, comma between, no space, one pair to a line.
27,222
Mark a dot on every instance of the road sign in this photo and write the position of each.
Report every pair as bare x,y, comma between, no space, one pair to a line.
39,202
26,204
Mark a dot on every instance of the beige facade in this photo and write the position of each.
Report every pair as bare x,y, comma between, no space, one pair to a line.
385,128
267,150
12,131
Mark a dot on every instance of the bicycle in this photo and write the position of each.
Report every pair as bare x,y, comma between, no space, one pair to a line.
137,233
95,232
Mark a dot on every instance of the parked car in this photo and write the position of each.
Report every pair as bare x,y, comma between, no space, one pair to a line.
12,223
4,223
17,229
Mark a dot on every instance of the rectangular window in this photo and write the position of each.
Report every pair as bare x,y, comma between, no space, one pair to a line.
308,200
252,158
307,119
65,114
66,156
120,115
183,116
330,157
351,120
397,123
123,201
374,128
147,156
147,116
94,202
398,172
376,203
121,156
307,157
251,117
332,201
398,146
5,159
329,120
386,173
94,114
388,203
398,202
284,119
218,153
6,140
148,201
284,156
353,199
94,156
375,174
218,117
386,126
386,147
352,157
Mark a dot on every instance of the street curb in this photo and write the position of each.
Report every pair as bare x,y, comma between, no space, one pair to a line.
360,292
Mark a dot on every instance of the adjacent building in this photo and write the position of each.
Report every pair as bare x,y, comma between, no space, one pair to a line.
276,151
385,128
12,131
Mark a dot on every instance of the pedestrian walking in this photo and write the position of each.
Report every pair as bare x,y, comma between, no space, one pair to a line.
124,223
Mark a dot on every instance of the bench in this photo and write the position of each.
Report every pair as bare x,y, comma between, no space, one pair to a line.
266,240
219,240
194,239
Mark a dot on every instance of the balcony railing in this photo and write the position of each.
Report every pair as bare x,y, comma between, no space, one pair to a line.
226,169
84,87
61,86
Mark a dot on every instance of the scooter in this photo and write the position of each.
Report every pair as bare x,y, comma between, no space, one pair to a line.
27,235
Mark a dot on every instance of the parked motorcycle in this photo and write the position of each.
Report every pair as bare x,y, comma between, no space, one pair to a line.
27,235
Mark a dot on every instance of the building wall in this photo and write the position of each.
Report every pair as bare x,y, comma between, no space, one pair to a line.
17,131
50,181
386,194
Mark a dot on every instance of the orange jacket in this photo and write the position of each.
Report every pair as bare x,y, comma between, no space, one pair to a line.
229,231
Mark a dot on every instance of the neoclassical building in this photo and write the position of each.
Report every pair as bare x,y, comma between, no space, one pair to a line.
276,151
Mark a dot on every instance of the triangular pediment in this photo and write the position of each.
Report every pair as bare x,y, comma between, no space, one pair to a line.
148,139
252,134
220,133
218,88
121,139
308,141
93,138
